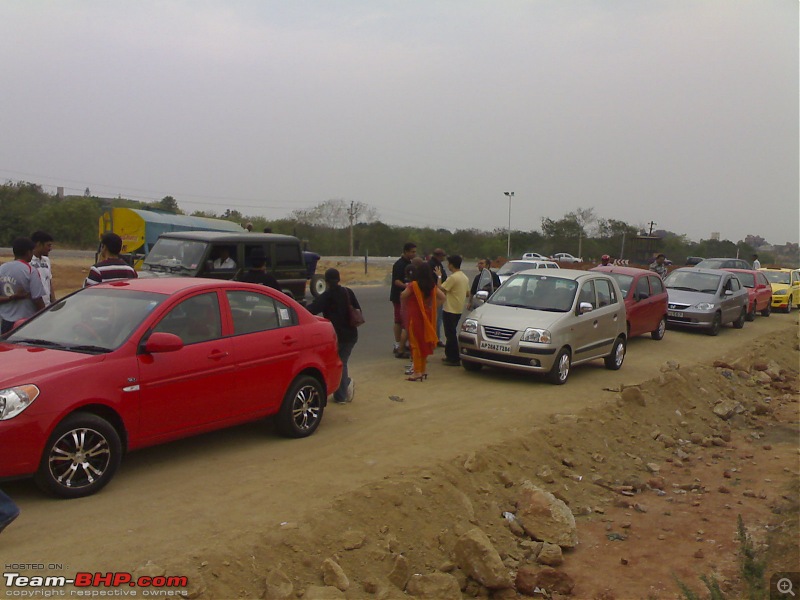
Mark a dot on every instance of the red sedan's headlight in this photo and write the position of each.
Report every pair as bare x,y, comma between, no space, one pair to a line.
14,400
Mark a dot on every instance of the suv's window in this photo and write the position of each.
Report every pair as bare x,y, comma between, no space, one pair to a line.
263,250
193,320
223,257
169,255
288,255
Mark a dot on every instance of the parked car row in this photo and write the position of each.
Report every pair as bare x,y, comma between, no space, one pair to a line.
557,257
543,320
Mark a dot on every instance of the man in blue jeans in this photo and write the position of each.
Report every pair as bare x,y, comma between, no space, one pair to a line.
8,510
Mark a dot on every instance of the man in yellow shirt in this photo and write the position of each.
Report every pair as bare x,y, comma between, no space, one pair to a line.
456,289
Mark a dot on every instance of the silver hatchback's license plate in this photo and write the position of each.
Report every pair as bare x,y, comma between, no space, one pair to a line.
495,347
675,313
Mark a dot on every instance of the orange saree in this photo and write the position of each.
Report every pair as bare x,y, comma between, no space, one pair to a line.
421,326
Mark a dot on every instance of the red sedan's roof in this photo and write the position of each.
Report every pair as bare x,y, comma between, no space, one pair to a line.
630,271
171,285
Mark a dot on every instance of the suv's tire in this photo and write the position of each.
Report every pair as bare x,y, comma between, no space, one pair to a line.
559,373
80,457
317,285
302,408
614,360
658,333
739,323
716,325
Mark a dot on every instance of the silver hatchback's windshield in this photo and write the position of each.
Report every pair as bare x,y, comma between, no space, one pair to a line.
170,255
93,321
536,292
692,281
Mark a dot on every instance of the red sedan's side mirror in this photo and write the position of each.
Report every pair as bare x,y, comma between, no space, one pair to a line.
163,342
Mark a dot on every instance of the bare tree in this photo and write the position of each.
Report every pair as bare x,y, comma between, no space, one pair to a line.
338,214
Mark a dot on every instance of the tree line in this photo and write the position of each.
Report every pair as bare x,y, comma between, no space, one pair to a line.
333,227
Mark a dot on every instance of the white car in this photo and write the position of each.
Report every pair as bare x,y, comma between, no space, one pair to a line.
515,266
566,258
534,256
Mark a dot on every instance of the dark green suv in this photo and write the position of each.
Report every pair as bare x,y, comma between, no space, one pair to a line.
221,255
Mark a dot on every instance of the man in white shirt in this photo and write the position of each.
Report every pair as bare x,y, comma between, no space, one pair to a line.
20,286
224,261
42,245
756,262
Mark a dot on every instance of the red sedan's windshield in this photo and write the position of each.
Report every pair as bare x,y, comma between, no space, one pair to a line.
92,320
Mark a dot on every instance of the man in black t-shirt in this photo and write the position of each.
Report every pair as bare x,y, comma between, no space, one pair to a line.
398,285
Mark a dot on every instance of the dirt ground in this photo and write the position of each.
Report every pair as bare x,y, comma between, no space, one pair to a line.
656,462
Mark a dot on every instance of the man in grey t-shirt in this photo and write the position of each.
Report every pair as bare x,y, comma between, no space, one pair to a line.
21,289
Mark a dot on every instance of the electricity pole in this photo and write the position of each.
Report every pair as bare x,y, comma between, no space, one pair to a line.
508,250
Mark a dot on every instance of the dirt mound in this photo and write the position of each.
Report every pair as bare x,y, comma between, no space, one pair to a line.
655,481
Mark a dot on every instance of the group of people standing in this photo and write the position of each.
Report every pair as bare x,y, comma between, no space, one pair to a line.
429,298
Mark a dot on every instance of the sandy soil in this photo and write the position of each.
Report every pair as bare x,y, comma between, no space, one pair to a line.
408,467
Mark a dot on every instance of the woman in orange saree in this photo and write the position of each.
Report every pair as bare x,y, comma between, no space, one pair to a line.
420,299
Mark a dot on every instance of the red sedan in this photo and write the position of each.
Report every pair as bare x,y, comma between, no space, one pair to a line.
759,291
129,364
645,299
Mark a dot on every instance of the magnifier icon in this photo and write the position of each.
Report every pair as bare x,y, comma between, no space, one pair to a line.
784,586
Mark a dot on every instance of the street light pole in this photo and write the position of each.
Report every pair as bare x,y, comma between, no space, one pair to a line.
508,250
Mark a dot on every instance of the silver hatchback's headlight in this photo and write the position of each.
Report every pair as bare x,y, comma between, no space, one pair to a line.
14,400
705,306
470,326
539,336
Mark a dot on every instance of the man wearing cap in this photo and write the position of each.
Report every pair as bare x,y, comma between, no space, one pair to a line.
605,260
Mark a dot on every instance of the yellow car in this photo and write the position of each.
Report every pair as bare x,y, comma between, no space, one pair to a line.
785,288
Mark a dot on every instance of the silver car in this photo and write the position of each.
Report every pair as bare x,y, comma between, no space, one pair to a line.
515,266
705,299
545,321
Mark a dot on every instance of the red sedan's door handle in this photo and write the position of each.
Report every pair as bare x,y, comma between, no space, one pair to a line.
217,355
289,341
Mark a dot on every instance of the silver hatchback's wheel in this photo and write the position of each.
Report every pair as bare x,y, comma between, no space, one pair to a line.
560,371
739,322
81,457
716,325
302,408
614,360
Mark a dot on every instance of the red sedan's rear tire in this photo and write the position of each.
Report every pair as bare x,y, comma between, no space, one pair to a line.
768,310
302,408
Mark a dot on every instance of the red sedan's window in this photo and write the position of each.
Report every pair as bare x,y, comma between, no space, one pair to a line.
253,312
196,319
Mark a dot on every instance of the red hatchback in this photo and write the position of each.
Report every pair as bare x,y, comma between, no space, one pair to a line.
759,291
645,299
129,364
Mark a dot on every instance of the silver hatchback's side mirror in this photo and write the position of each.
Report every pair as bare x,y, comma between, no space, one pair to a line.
584,307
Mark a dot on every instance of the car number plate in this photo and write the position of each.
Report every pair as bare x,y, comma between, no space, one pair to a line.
495,347
675,313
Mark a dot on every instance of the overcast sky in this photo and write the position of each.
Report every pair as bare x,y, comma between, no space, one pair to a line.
680,112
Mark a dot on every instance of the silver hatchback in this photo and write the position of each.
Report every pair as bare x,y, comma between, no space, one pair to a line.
705,299
545,321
